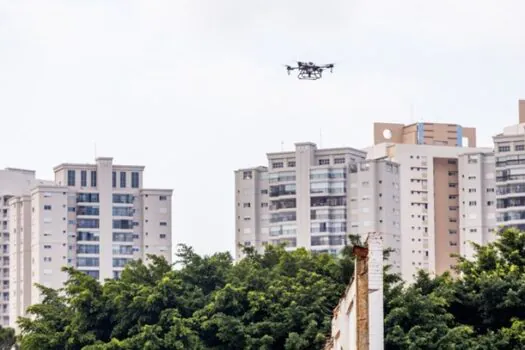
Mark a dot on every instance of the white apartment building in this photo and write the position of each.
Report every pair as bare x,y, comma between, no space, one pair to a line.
314,198
374,204
509,149
299,199
13,182
95,217
430,201
477,207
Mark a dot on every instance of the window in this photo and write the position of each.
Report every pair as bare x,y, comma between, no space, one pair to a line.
163,223
504,149
452,161
339,161
83,178
47,246
114,177
277,165
122,179
135,179
452,185
291,164
264,191
162,236
472,190
324,161
246,205
93,178
123,224
472,203
264,205
71,177
47,207
489,203
47,259
490,190
247,175
519,148
162,198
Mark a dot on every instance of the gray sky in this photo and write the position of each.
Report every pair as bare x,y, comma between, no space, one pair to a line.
194,89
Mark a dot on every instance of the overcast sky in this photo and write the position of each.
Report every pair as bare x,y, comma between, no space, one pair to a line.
194,89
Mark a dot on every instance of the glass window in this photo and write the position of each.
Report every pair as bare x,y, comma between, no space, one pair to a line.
123,224
87,249
94,273
93,178
114,178
87,198
120,262
123,211
71,177
135,179
83,178
122,179
85,210
88,261
123,198
123,236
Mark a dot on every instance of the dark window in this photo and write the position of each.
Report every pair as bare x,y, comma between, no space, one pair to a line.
135,179
114,179
122,179
83,178
71,177
93,179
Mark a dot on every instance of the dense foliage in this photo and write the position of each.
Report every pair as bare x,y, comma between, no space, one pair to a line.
280,300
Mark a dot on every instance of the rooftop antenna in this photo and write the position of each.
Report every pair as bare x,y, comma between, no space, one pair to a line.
95,149
320,138
282,146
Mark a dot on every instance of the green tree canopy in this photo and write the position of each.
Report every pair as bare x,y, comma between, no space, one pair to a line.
280,300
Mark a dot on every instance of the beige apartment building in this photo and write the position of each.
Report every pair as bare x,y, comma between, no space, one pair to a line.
95,217
434,169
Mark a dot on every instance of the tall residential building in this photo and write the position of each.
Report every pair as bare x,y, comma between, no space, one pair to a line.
13,182
299,199
314,198
430,199
477,208
509,149
95,217
374,204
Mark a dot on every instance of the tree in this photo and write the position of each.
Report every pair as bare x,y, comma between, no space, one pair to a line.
7,338
274,300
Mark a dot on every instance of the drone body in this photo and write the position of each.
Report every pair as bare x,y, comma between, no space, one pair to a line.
309,70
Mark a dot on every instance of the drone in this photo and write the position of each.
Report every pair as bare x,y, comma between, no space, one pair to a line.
309,70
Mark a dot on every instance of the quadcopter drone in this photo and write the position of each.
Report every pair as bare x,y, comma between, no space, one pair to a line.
309,70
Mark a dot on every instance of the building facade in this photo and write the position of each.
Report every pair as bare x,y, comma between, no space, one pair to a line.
430,198
300,199
13,182
95,217
477,208
509,150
